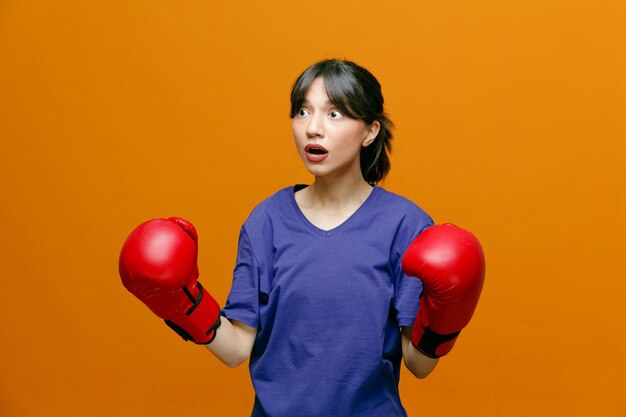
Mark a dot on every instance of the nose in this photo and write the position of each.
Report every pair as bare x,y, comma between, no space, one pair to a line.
315,126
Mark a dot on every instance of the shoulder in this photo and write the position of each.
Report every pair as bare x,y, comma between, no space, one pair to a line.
404,209
261,215
406,218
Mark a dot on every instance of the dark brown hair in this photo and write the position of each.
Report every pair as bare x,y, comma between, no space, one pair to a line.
357,94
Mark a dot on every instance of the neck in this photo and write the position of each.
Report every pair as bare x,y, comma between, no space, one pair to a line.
338,193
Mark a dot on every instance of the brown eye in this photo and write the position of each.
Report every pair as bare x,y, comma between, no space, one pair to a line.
335,114
303,112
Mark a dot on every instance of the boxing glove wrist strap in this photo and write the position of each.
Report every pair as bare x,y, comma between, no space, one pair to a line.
211,333
428,342
201,320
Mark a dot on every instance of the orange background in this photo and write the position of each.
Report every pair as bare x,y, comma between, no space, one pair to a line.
510,122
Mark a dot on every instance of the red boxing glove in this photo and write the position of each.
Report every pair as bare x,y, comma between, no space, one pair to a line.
451,265
158,265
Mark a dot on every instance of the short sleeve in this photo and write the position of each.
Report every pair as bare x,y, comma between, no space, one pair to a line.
242,303
407,288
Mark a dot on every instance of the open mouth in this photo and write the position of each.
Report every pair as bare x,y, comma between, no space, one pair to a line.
315,153
315,150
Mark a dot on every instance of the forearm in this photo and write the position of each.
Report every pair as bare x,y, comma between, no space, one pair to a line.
419,364
233,342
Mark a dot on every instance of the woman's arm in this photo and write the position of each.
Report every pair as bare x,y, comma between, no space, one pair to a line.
416,362
233,342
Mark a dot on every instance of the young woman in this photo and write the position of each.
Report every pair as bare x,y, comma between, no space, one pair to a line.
320,302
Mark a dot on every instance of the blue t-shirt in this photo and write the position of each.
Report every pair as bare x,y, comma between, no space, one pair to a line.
328,305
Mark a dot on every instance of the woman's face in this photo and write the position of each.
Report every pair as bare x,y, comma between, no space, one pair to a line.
328,141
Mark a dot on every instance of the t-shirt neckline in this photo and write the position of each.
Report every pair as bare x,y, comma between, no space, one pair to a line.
326,233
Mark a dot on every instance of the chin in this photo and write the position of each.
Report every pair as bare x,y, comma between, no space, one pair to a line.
314,168
316,172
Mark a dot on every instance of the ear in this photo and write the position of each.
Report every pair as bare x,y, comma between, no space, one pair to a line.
372,132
